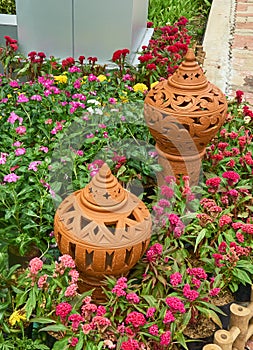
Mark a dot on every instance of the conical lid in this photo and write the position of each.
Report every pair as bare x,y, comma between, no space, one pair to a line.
104,192
189,75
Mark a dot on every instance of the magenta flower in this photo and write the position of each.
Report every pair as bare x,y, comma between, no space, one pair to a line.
169,317
231,176
175,279
43,149
136,319
150,312
153,330
74,341
165,338
63,309
215,291
75,319
12,177
22,98
175,304
189,293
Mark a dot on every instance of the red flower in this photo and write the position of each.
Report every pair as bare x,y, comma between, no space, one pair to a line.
239,95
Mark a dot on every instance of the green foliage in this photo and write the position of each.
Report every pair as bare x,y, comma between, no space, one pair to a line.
8,7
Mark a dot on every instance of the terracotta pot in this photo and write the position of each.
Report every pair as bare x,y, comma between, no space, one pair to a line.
105,229
183,114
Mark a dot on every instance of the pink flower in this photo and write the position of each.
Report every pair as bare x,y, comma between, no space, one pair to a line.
101,310
190,294
71,290
231,176
154,252
35,265
167,191
100,321
13,117
153,330
63,309
215,291
150,312
67,261
175,279
42,281
75,319
20,151
133,297
240,237
197,272
12,177
21,130
136,319
43,149
213,184
169,317
112,100
22,98
36,98
33,165
175,304
225,220
74,274
3,157
74,341
130,344
86,328
165,338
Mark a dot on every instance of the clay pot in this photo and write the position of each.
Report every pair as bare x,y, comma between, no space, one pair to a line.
105,229
183,114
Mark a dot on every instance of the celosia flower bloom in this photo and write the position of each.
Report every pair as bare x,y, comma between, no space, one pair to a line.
35,265
67,261
189,293
136,319
63,309
165,338
175,304
231,176
175,279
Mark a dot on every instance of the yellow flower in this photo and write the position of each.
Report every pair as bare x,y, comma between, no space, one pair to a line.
17,316
61,79
9,95
102,77
123,97
154,84
140,87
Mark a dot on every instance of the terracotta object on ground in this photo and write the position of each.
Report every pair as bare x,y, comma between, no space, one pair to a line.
105,229
183,114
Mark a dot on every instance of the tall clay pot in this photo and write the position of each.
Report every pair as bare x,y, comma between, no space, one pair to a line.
183,114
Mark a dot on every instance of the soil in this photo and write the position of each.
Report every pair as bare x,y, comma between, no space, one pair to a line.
203,328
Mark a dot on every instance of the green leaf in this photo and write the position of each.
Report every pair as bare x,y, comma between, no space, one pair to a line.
61,344
54,328
199,238
42,320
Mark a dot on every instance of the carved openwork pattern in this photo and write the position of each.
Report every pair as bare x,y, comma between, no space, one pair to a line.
105,228
185,112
